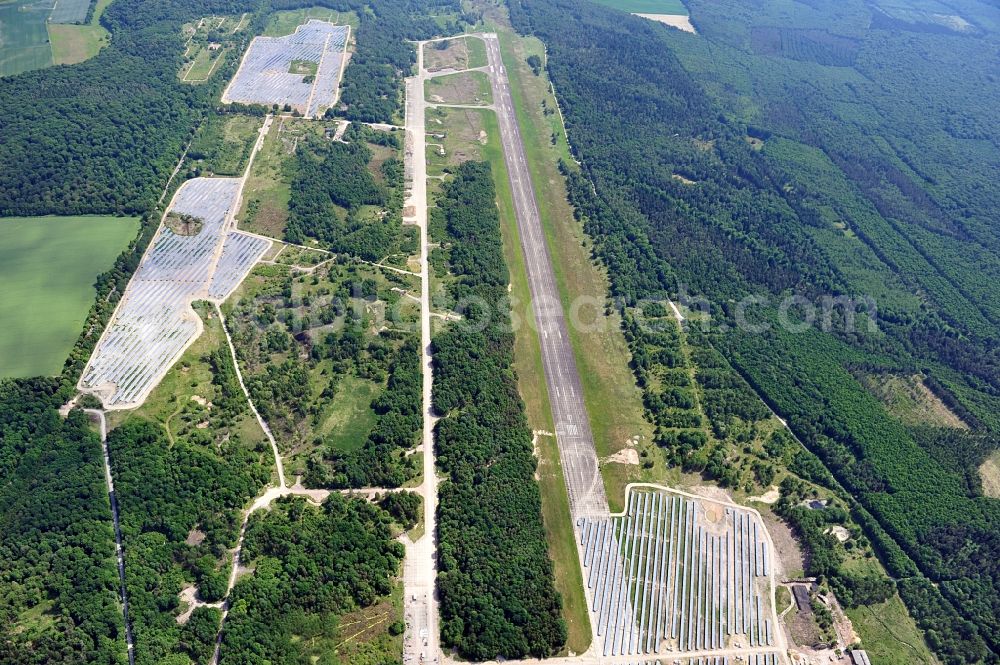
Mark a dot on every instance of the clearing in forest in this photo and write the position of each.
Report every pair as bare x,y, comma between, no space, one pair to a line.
266,74
42,309
668,12
909,399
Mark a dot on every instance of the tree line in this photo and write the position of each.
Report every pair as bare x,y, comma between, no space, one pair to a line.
495,581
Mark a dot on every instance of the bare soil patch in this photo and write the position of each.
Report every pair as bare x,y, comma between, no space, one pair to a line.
184,225
789,560
673,20
909,399
989,473
453,55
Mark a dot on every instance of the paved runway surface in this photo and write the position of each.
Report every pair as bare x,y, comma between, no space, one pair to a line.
576,442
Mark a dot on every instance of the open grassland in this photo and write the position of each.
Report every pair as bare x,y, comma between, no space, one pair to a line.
203,65
888,633
75,43
269,188
47,267
460,88
675,7
457,54
24,41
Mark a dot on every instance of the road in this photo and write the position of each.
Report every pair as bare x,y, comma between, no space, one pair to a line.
562,377
421,643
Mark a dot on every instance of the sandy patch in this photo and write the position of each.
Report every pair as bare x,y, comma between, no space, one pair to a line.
989,472
673,20
195,538
186,596
628,456
839,532
769,497
712,493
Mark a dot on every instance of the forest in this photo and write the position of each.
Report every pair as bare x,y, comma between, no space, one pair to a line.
711,171
58,581
311,565
495,576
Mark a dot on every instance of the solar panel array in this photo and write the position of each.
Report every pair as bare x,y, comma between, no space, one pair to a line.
263,76
760,658
663,575
240,251
154,322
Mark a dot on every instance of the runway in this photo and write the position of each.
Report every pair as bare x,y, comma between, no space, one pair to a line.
577,453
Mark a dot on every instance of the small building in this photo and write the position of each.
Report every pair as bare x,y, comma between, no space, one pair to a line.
214,46
859,657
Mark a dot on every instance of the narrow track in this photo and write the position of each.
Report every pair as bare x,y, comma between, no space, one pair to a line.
119,551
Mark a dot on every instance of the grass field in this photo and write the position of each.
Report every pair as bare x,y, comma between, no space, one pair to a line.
675,7
889,634
351,416
48,266
24,41
460,88
75,43
462,53
203,65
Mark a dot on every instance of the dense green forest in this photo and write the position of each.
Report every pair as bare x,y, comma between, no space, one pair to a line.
818,150
495,579
58,578
311,565
331,188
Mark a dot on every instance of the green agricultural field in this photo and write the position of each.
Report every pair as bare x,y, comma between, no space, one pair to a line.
75,43
647,6
47,267
24,40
